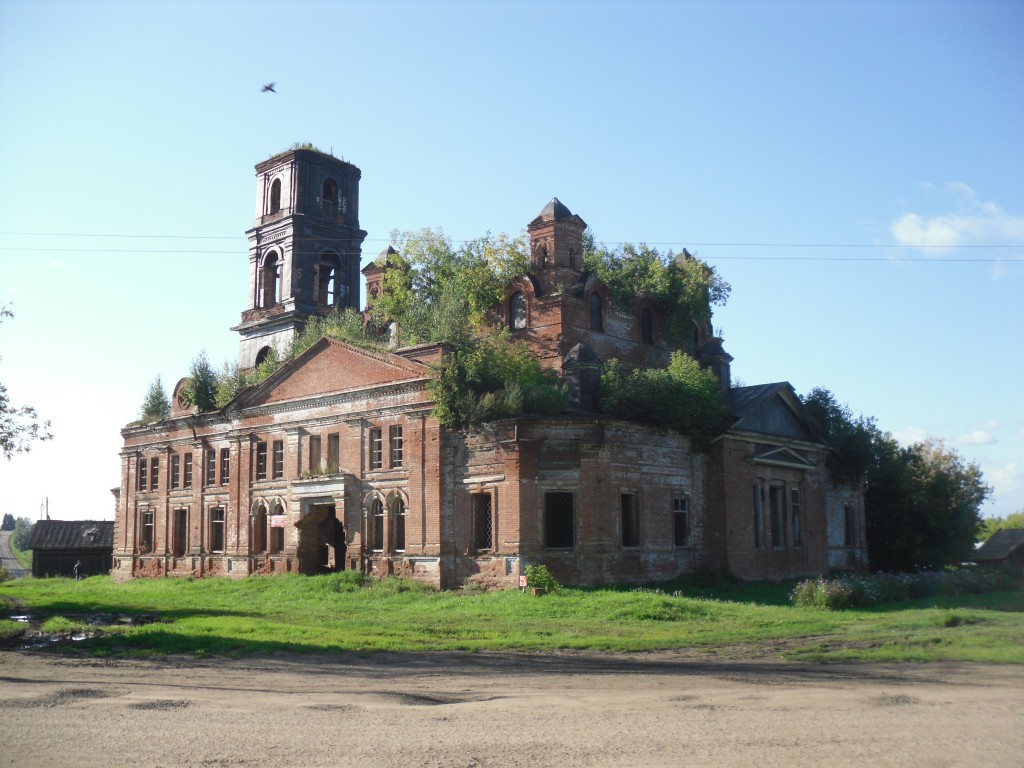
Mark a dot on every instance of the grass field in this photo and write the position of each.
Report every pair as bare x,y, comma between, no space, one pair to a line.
332,613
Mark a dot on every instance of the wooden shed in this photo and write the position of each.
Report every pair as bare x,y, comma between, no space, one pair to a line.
58,544
1005,547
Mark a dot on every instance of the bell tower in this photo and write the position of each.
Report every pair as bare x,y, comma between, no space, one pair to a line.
556,245
304,249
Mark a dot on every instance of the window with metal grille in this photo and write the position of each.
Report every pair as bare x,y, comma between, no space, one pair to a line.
180,532
559,523
483,521
143,474
146,529
630,520
333,465
314,453
261,461
225,466
154,473
278,459
681,520
211,467
398,521
758,516
175,471
376,449
377,525
794,508
777,510
187,480
395,447
217,529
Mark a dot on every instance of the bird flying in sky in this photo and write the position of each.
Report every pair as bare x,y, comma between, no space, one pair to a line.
268,87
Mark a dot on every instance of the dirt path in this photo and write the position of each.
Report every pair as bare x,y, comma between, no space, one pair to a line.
503,710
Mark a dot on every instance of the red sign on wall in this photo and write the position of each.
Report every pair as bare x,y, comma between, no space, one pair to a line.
278,521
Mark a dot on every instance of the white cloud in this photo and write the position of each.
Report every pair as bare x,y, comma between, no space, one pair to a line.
910,435
973,222
976,437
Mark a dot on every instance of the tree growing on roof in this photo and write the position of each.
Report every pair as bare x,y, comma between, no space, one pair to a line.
157,405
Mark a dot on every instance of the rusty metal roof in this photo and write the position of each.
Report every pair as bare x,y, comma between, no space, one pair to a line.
72,534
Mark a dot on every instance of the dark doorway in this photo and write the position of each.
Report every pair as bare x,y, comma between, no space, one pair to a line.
321,541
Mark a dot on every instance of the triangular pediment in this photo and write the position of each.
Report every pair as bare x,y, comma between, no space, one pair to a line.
782,457
773,409
332,367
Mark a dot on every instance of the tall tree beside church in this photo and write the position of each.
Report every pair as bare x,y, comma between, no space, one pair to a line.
19,426
922,502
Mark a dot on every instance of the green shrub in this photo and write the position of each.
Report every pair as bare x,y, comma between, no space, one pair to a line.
539,577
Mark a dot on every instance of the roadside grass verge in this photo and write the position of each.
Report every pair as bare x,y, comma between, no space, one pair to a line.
344,612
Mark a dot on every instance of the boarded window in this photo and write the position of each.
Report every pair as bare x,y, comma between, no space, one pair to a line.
630,520
777,510
758,516
261,461
797,520
217,529
314,453
278,459
681,521
559,522
395,446
332,453
483,524
180,532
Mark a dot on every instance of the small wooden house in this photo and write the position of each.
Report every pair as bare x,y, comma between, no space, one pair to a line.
1005,547
58,544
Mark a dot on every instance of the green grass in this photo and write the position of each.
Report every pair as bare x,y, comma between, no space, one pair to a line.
25,558
332,613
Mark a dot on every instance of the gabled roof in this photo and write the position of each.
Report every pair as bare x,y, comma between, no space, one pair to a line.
72,534
772,409
1000,545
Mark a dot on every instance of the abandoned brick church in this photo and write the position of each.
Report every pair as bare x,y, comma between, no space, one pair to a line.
336,462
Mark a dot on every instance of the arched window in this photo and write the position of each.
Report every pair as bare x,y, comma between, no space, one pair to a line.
330,197
517,311
271,280
259,530
572,258
377,525
646,326
262,355
277,532
596,313
333,285
398,523
275,196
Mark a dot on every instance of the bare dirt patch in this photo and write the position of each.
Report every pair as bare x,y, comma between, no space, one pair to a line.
509,710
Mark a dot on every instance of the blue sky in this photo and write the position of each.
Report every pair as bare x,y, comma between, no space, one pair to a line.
855,170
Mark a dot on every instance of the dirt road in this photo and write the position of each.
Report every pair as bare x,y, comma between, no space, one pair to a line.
7,558
504,710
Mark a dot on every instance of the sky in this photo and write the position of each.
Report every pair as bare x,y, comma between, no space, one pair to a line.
854,170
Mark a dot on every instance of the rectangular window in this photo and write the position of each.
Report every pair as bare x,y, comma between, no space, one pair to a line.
483,521
395,445
758,516
777,510
261,461
376,449
276,540
333,463
187,480
175,471
154,473
314,454
146,532
559,522
278,459
681,520
849,530
180,532
211,466
225,465
217,529
143,474
794,507
630,520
